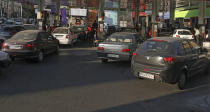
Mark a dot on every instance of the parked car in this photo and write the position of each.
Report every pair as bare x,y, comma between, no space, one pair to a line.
118,46
8,32
65,36
170,60
5,60
29,27
31,44
183,33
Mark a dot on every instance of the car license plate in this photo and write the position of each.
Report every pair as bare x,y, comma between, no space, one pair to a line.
146,75
113,56
15,47
58,36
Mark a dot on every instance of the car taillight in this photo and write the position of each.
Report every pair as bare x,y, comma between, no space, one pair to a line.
29,45
4,45
126,50
100,48
178,36
67,36
169,60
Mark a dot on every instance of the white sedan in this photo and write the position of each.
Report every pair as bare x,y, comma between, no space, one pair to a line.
183,33
65,36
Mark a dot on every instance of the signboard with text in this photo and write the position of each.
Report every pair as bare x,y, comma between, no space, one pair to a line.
78,12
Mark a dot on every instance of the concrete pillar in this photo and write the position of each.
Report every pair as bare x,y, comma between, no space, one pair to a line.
201,17
154,18
172,13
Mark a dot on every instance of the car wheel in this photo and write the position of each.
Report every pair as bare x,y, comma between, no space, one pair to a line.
182,81
40,57
104,60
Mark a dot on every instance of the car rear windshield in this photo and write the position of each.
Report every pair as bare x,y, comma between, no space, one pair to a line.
24,36
184,33
61,30
120,38
155,45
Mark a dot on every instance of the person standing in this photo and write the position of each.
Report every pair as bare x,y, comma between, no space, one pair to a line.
90,36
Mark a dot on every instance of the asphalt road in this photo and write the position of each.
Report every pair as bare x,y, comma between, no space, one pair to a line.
76,81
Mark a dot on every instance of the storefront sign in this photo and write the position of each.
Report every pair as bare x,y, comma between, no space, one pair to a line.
78,12
111,17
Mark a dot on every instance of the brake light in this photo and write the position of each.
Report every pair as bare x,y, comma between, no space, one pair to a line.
4,45
67,36
169,59
126,50
29,45
100,48
178,36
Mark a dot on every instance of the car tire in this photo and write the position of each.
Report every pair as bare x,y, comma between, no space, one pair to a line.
40,57
181,83
104,60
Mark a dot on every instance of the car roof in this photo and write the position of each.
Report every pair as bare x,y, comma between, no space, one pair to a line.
168,39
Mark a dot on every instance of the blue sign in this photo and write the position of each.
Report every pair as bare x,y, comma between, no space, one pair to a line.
63,12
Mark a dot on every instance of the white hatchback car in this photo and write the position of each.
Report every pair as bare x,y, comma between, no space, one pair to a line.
65,36
183,33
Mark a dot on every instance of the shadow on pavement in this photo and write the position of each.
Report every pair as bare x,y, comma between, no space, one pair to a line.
194,100
70,68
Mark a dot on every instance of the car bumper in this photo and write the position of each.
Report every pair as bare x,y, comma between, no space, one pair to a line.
160,74
65,42
23,54
114,56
